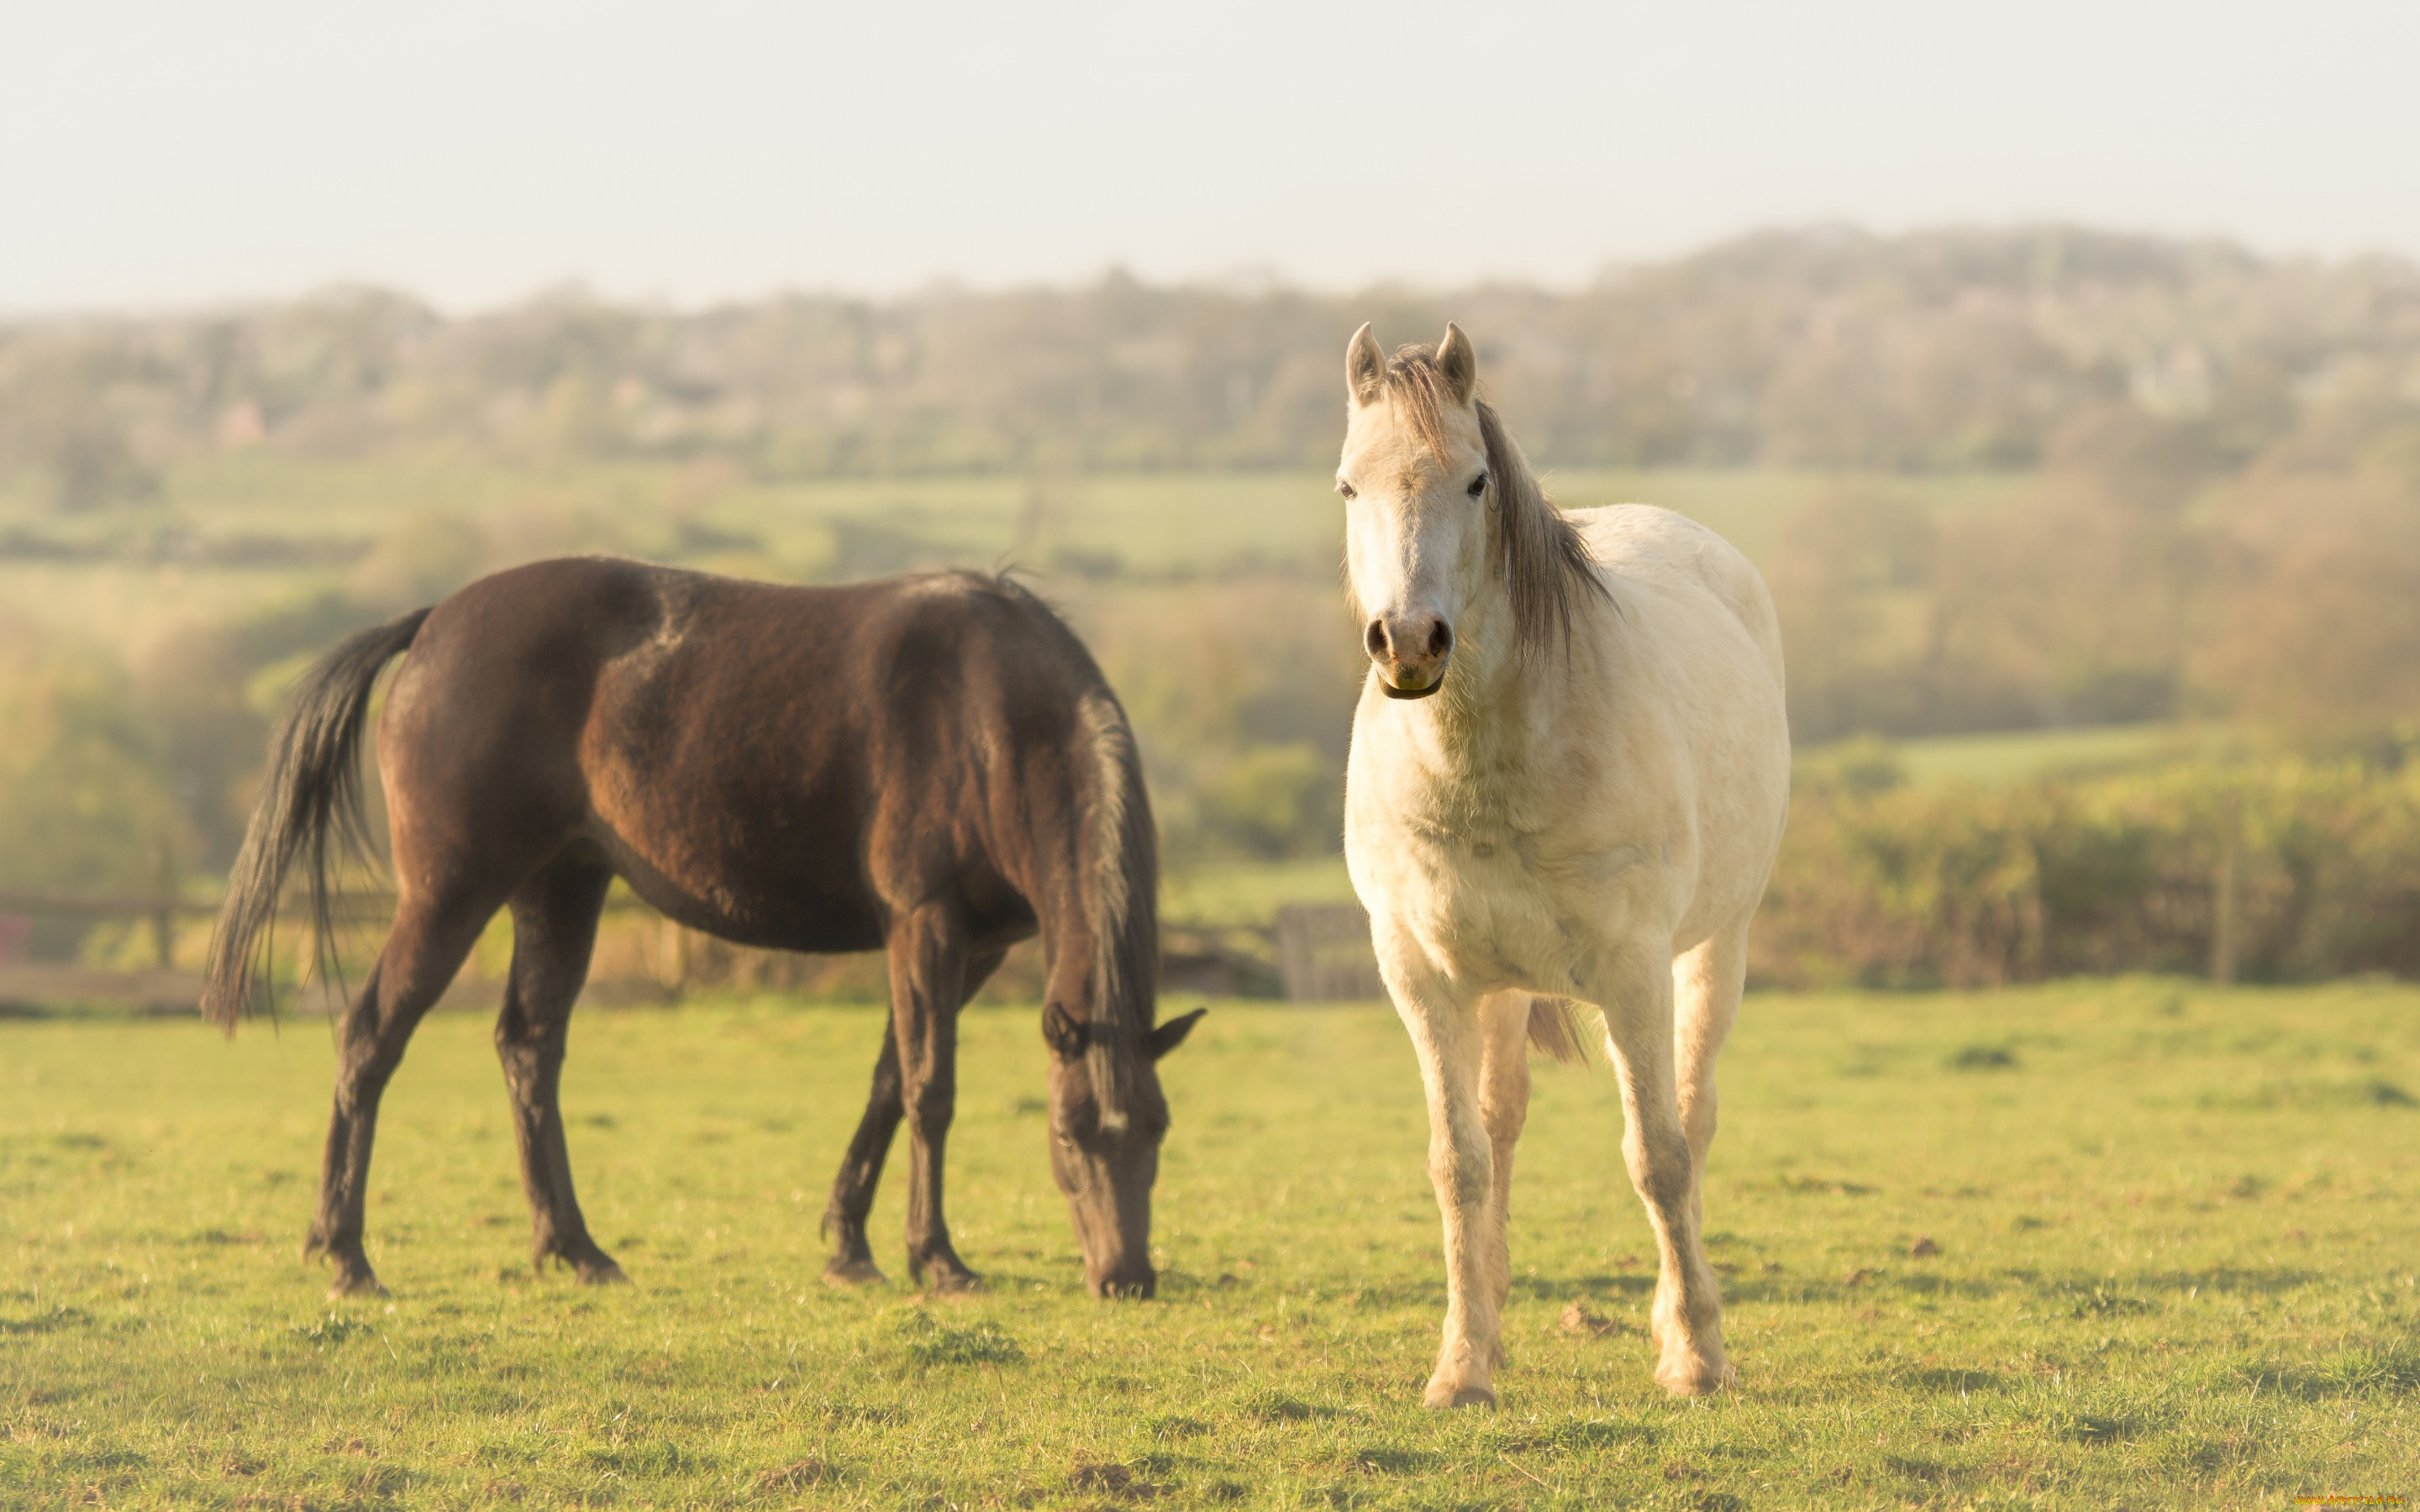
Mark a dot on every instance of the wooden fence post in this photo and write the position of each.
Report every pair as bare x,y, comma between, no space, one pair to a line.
164,920
674,949
2226,889
1325,955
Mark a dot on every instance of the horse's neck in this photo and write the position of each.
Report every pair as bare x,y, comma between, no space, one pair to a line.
1492,721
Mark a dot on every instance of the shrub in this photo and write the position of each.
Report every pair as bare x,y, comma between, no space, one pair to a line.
2297,871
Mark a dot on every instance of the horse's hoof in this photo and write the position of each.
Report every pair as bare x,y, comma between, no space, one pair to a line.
854,1272
957,1283
1444,1395
362,1282
1694,1378
600,1272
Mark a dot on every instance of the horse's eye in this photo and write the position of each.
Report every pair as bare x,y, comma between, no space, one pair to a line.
1345,488
1478,485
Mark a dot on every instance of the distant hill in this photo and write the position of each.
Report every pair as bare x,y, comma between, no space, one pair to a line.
1940,350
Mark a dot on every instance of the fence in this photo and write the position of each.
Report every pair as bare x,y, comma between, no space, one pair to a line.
17,909
1315,952
1323,953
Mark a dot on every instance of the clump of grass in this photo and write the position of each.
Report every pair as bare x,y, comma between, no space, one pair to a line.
1391,1459
1951,1381
654,1457
46,1322
2104,1302
1269,1405
1578,1434
929,1343
2376,1368
334,1329
2365,1369
798,1475
1983,1058
2287,1092
2091,1428
1112,1479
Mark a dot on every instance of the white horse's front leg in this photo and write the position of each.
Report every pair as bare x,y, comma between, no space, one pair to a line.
1688,1318
1504,1108
1445,1035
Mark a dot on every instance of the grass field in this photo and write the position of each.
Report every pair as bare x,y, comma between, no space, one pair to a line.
2074,750
721,520
2175,1233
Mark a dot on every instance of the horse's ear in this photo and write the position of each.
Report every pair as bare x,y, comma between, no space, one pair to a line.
1458,360
1365,367
1160,1041
1063,1032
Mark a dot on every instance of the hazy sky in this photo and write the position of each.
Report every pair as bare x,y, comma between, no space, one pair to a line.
161,152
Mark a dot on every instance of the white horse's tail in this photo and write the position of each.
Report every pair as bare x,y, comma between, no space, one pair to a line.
1555,1029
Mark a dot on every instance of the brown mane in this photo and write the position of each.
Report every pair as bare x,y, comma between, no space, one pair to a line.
1544,563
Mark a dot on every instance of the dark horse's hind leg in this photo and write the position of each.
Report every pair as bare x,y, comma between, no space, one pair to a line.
554,928
422,954
860,1170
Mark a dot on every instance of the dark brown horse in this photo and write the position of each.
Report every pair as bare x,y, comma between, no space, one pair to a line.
931,765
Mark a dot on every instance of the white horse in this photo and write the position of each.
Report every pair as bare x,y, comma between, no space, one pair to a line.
1569,771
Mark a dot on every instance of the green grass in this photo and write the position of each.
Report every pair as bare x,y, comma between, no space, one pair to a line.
1251,893
1999,758
2175,1233
2010,755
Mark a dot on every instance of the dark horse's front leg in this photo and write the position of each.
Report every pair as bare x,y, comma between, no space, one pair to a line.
860,1170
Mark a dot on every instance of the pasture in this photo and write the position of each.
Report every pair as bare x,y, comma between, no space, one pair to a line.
2133,1243
232,536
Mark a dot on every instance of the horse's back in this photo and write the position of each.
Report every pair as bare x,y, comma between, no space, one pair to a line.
753,757
1700,615
1659,545
641,645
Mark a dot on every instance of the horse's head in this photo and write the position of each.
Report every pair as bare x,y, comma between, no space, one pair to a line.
1104,1160
1414,477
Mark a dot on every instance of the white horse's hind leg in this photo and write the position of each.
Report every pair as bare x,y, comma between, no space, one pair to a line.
1446,1035
1706,985
1686,1321
1503,1107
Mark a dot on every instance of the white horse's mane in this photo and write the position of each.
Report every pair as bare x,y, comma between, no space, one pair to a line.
1539,550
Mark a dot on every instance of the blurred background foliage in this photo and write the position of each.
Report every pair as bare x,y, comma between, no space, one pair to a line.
2291,867
2044,480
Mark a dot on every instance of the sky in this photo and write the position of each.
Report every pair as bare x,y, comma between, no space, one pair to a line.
159,154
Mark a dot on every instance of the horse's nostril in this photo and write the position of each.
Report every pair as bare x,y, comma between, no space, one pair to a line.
1375,637
1440,639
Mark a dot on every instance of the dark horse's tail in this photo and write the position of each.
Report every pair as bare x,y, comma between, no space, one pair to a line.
1120,889
311,807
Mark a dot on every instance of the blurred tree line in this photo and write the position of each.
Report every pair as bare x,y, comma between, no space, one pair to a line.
2287,594
1829,348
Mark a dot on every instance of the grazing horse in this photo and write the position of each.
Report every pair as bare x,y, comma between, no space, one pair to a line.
931,765
1569,771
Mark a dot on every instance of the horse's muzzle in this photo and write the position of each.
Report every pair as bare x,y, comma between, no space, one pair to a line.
1410,652
1135,1285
